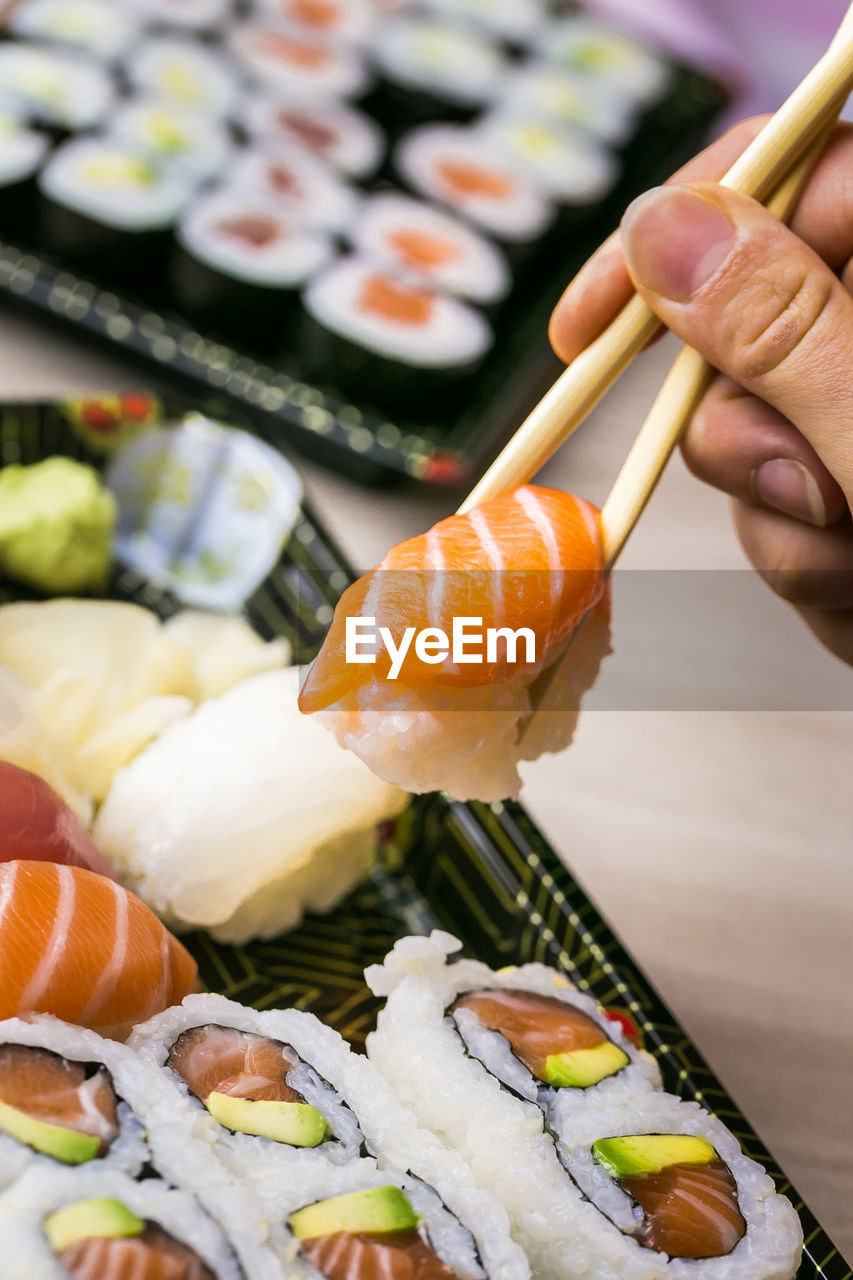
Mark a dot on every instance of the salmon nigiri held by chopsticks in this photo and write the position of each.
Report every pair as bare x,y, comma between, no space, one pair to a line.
427,668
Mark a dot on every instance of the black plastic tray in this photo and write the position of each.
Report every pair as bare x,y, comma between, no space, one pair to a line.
483,872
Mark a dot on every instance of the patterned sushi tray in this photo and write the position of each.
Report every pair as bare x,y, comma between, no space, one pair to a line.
482,872
291,391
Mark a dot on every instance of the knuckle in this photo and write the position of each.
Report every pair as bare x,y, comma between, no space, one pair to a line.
786,311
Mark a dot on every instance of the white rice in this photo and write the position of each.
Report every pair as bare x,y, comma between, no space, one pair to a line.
193,15
244,815
567,164
21,150
519,214
285,262
298,183
513,20
98,26
262,50
173,135
454,334
186,72
354,144
631,67
476,269
57,87
572,98
114,184
455,62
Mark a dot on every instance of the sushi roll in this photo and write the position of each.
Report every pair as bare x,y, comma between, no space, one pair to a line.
189,15
572,98
299,185
109,204
73,1226
388,336
65,90
425,242
169,134
346,20
185,72
343,137
242,263
460,169
96,26
433,68
515,21
22,152
567,164
623,62
287,59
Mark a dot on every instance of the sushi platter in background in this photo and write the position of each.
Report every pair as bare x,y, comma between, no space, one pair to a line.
483,873
350,216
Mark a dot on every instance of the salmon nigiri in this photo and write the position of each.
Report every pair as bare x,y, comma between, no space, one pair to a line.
463,619
79,946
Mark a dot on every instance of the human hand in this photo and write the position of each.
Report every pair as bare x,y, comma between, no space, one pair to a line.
771,308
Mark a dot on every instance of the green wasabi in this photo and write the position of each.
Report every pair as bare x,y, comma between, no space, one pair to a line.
56,526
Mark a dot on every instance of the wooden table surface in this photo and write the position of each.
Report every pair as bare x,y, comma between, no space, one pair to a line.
716,841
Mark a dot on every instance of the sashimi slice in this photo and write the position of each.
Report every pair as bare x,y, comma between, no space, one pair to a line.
153,1255
52,1089
216,1059
536,1026
691,1211
35,824
393,1255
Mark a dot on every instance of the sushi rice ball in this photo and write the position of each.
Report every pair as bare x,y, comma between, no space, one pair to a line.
345,138
298,184
114,184
567,164
417,238
172,134
191,15
459,168
339,19
448,61
511,20
572,98
582,44
101,28
290,60
185,72
59,88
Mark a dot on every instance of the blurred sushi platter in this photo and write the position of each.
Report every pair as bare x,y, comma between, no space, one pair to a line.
350,216
282,945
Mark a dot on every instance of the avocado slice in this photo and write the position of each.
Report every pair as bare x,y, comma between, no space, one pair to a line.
650,1153
378,1210
63,1144
584,1067
296,1123
90,1220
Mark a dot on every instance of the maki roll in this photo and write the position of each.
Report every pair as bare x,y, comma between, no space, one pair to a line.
185,72
345,138
387,336
567,164
299,185
291,60
416,238
434,68
96,26
107,203
348,20
624,62
459,168
242,263
170,134
514,21
572,98
191,15
65,90
22,151
73,1226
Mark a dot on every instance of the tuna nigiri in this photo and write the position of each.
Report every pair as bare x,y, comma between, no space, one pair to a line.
79,946
517,574
36,824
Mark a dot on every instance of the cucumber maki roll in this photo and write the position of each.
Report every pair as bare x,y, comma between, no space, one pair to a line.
572,98
347,20
55,87
169,134
290,60
22,151
242,263
299,185
567,164
345,138
108,204
386,336
470,174
425,242
189,15
185,72
74,1226
624,62
515,21
96,26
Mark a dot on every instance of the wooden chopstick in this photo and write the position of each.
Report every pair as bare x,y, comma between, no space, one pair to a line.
761,168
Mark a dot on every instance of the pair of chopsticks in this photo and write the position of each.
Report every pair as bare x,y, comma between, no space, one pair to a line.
774,169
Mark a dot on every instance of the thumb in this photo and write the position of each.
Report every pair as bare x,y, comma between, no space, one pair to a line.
757,302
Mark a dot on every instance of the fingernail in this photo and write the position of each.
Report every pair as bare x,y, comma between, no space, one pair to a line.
790,487
675,241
